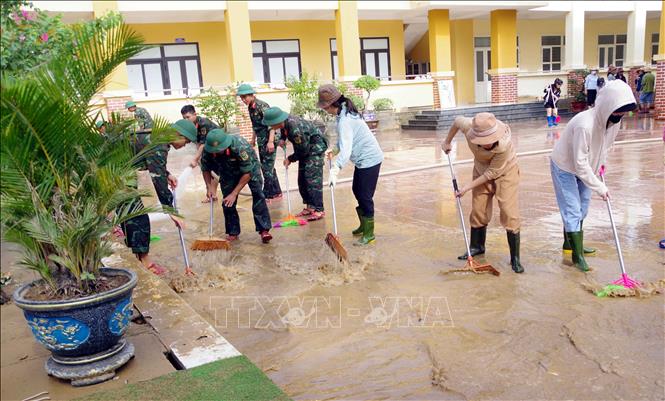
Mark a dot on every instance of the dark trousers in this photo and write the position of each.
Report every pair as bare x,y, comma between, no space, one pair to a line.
591,97
259,206
310,181
364,186
271,186
137,231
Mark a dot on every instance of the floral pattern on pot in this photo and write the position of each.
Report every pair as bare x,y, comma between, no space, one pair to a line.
59,333
121,316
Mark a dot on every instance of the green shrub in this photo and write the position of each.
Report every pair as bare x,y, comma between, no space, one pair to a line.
221,109
369,84
383,104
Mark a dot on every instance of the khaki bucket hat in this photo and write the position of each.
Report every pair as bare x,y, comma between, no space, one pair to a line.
486,129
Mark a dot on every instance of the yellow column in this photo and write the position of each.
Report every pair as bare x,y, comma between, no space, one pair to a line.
503,39
461,40
503,44
348,40
239,40
661,36
439,41
118,80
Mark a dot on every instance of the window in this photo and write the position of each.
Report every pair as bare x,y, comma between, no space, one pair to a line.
333,58
654,44
552,52
276,60
375,57
611,50
168,69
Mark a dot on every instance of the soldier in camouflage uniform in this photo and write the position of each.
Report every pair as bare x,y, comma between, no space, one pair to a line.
265,138
309,145
142,117
137,230
203,126
233,159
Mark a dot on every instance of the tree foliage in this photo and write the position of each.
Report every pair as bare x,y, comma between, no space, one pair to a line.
64,186
222,109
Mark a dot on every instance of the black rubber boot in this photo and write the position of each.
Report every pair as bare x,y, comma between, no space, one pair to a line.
477,243
576,240
514,244
359,230
567,249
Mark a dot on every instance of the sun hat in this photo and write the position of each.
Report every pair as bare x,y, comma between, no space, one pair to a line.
274,116
328,94
245,89
185,128
486,129
217,140
129,104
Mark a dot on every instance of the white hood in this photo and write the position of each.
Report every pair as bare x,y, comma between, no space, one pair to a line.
583,146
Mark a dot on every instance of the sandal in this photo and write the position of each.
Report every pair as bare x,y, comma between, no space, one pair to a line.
306,212
156,269
231,238
207,200
265,236
316,216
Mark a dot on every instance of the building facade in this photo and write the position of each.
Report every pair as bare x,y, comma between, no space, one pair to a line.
427,53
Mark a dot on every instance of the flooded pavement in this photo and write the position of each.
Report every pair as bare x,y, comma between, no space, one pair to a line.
391,326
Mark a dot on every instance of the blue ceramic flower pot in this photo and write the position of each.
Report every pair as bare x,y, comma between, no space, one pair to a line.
75,329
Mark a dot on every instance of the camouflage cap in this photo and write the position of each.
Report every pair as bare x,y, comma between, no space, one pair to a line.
217,140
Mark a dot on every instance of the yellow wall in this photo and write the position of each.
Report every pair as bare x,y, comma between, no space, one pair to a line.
211,38
504,31
595,27
394,29
315,38
653,26
461,40
529,33
420,52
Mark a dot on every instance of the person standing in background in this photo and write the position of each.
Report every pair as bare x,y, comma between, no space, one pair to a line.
591,87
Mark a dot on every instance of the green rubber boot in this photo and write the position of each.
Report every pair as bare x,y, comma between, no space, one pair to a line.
477,242
514,245
368,232
576,240
359,230
567,249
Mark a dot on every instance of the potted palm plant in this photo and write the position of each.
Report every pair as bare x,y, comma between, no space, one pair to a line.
369,84
64,187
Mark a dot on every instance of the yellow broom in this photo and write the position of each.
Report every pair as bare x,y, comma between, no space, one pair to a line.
211,243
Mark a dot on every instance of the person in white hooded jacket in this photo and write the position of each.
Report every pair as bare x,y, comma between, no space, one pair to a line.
578,156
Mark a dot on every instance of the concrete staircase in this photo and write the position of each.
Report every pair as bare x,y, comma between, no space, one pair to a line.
433,120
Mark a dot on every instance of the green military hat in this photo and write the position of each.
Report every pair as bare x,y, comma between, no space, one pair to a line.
245,89
99,123
274,116
217,140
185,128
129,104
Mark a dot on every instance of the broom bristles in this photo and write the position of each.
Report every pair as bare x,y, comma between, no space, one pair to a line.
337,247
210,244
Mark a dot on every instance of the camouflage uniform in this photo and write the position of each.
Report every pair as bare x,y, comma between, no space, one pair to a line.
231,164
203,126
137,230
309,144
271,186
143,120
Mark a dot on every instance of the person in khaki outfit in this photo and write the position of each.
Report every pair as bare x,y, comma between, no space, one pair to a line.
495,174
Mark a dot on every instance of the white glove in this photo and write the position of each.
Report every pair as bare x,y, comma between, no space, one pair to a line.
334,172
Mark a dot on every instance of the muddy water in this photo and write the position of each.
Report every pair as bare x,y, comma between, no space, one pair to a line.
390,326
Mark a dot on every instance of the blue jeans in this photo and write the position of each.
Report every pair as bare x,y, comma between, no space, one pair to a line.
572,196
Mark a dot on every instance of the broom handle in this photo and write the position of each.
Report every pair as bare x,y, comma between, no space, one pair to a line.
182,238
459,205
286,179
614,229
332,199
211,219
